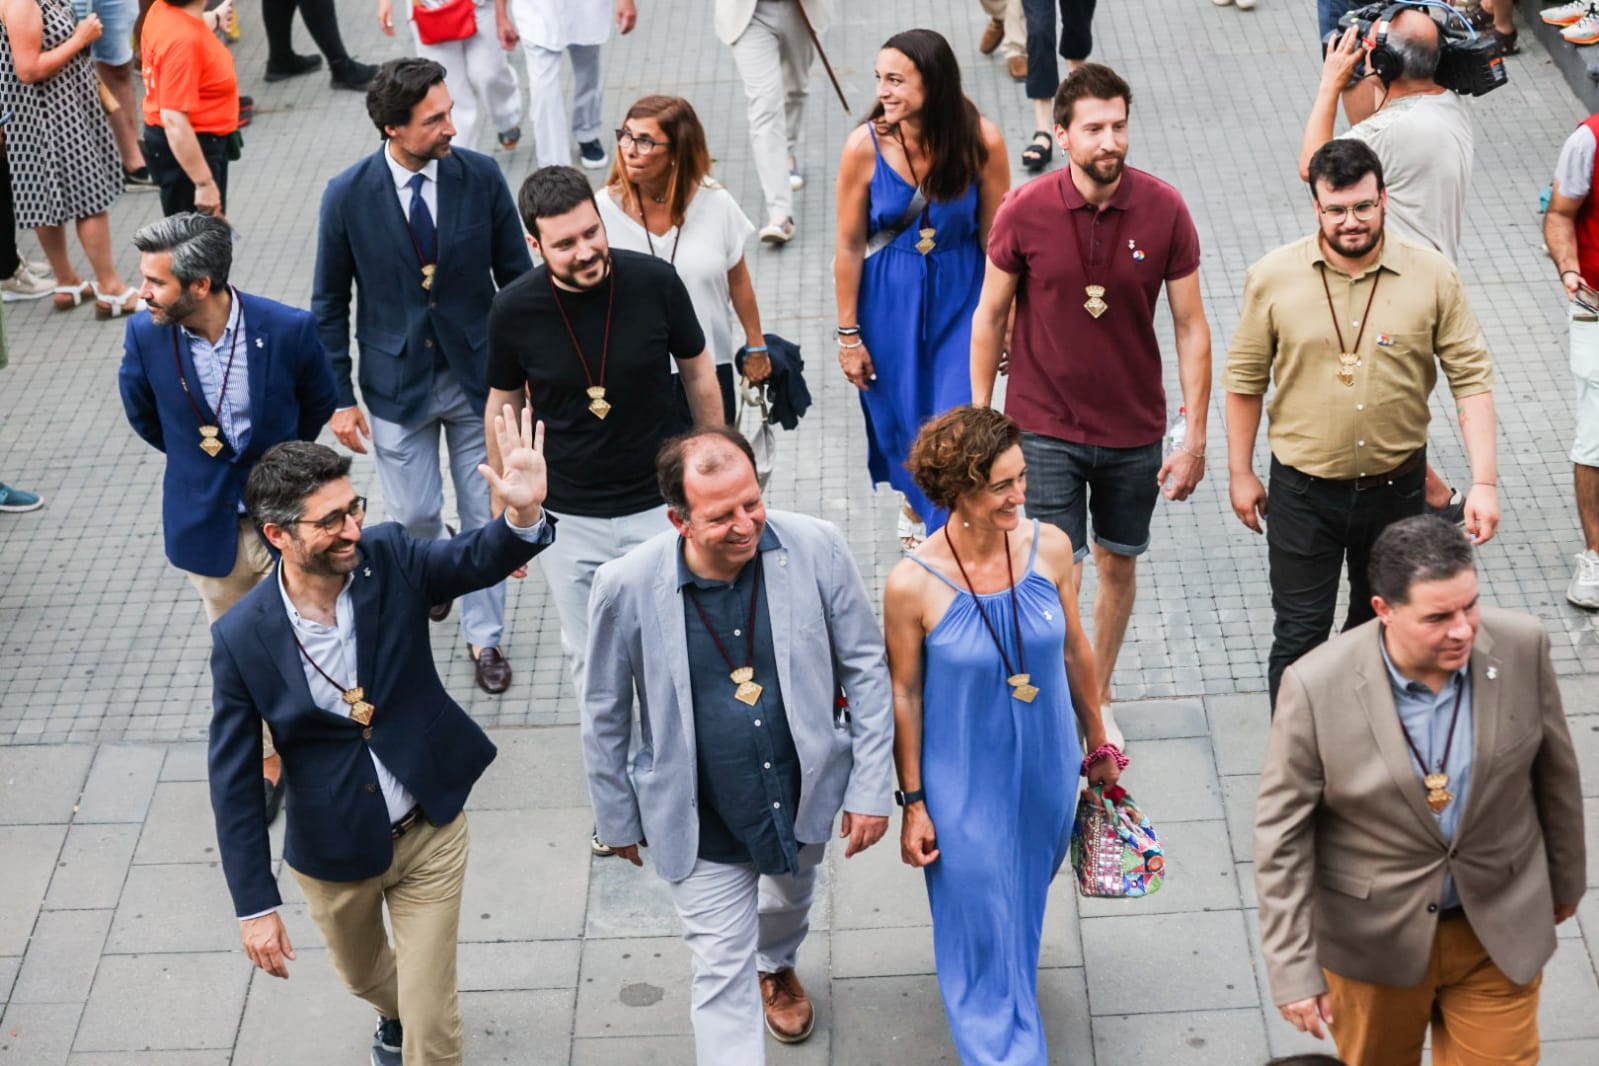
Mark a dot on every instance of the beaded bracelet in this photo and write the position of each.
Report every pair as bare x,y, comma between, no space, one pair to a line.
1105,751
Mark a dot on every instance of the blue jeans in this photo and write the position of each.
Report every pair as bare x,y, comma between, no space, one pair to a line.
1076,41
1067,482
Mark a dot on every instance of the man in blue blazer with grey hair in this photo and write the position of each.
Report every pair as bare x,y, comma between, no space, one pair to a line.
426,233
764,709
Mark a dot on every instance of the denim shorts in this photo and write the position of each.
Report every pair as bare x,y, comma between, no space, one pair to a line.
1585,368
114,48
1066,483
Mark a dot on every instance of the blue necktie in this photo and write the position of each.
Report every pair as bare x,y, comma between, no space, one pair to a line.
422,222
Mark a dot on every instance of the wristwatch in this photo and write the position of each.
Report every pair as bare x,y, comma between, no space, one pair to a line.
905,799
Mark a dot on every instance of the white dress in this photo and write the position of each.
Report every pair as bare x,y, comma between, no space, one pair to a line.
708,244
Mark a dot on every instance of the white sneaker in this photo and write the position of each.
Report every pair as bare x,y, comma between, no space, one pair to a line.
1221,3
1565,14
1584,588
25,284
1245,5
777,231
1113,732
1584,31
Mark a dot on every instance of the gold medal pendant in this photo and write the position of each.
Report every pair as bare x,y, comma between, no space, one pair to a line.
1095,304
210,440
597,405
428,270
1438,794
748,691
1020,687
360,709
926,244
1347,361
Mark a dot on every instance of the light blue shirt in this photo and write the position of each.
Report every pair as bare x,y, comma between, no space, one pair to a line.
1425,715
211,366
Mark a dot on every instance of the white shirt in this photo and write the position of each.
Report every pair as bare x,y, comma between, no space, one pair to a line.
556,24
1425,144
211,366
708,244
402,185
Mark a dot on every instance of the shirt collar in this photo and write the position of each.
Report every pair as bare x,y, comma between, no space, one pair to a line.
402,177
1122,199
685,576
1391,258
235,312
1400,682
294,612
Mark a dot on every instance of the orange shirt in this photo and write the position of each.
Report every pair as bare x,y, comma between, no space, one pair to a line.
187,69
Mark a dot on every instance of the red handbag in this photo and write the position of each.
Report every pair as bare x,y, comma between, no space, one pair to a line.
454,20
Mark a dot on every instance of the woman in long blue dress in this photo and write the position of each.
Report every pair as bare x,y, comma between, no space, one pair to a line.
994,681
907,281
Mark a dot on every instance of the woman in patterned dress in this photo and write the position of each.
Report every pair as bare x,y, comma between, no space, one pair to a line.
64,163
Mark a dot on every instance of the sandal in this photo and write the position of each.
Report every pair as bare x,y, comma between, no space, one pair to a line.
66,297
1039,152
1507,42
109,305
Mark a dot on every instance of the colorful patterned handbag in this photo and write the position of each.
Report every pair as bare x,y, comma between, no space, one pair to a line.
1115,852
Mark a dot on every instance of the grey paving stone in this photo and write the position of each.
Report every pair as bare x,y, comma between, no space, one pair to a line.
890,1020
1238,794
121,782
184,907
523,965
633,1051
1570,1053
30,853
1175,780
1168,962
876,890
1281,1037
1240,726
1580,695
184,762
43,1033
180,827
150,1058
1063,1003
1199,875
626,900
633,988
1210,1038
92,866
535,768
9,964
1161,719
1585,738
1062,942
1568,1002
160,1002
1246,884
62,957
517,1027
309,1018
883,953
526,878
41,784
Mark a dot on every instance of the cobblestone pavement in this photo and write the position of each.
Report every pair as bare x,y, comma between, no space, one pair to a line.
116,942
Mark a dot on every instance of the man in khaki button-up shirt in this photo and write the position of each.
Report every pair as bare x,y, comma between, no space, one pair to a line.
1349,323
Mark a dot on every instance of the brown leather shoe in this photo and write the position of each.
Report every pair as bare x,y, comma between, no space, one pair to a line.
439,611
1017,65
992,36
789,1016
492,671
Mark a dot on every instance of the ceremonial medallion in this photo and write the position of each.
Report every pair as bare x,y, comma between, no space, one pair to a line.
1095,304
428,270
1438,794
1347,361
597,405
210,440
360,709
748,691
1021,689
926,244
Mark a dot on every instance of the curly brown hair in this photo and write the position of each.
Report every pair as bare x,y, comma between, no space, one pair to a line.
955,452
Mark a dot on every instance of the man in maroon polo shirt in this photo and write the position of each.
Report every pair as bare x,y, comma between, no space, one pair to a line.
1082,254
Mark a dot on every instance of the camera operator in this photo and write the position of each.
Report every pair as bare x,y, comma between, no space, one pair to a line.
1421,133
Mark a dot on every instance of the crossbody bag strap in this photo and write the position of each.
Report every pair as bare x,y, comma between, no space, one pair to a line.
889,234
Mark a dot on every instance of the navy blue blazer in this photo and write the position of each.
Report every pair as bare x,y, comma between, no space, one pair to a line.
364,239
338,823
291,398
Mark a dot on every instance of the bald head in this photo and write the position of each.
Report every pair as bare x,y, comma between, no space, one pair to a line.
698,455
1414,37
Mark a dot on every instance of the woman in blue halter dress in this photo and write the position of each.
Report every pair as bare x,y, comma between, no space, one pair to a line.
906,280
993,684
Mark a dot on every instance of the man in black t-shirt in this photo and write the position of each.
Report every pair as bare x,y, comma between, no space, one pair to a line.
590,335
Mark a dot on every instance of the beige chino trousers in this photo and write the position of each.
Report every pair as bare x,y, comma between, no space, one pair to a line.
251,564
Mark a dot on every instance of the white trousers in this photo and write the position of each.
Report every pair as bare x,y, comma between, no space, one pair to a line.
413,487
550,127
737,922
1014,42
477,71
774,56
582,546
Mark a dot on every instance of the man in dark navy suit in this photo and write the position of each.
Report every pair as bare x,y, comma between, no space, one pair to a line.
332,652
425,233
214,377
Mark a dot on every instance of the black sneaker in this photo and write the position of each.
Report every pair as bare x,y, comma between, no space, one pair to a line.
137,179
292,67
386,1043
354,75
591,154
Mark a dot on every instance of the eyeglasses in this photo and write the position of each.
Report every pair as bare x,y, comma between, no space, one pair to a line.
1364,211
641,145
333,524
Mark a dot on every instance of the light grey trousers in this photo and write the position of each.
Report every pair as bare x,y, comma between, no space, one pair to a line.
547,107
737,922
774,56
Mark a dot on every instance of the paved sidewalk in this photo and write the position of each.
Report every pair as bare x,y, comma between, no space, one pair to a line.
117,943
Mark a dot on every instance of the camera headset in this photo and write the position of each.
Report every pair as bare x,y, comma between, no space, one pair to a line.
1469,67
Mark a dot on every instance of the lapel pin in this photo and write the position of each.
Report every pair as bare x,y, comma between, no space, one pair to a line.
259,343
366,571
1049,616
1492,672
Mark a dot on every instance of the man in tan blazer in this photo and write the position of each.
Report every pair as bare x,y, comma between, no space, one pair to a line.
773,51
1418,832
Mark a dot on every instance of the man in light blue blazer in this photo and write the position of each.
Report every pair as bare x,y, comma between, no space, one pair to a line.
426,233
764,709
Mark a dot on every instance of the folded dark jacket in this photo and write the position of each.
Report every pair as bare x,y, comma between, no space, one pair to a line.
786,391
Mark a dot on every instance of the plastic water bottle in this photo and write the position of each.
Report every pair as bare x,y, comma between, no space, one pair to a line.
1177,432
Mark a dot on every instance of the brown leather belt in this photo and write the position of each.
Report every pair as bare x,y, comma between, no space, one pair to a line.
407,822
1412,463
